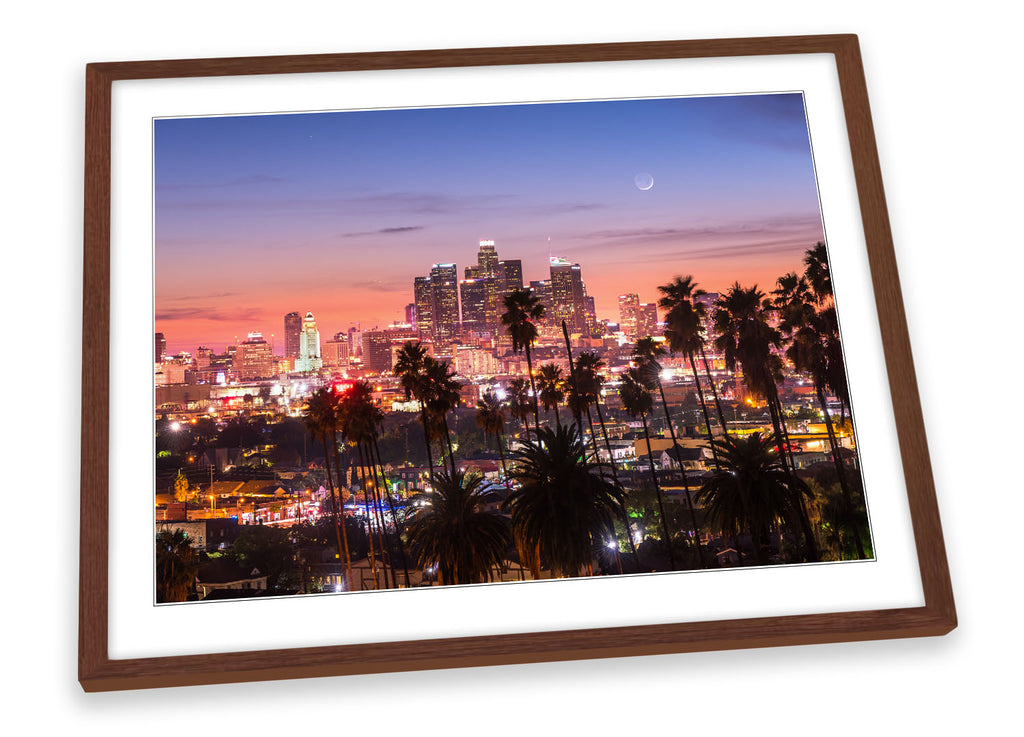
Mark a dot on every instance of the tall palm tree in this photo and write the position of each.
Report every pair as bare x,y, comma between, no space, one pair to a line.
450,530
646,353
490,417
522,311
637,401
442,396
563,507
551,384
410,367
586,392
752,491
685,317
746,339
813,345
177,565
322,423
519,404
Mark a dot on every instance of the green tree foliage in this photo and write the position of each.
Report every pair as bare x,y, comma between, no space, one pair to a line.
177,565
269,549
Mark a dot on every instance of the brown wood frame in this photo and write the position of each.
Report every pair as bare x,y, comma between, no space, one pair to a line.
97,672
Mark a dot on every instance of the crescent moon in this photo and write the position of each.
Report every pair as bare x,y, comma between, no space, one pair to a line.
643,181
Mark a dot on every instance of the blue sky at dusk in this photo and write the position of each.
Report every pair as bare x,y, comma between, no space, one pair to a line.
336,213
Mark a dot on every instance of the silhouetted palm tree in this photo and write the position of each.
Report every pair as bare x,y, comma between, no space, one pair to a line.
450,530
490,417
813,345
322,423
551,385
177,565
646,353
522,311
637,402
519,404
563,507
752,491
684,318
410,367
442,396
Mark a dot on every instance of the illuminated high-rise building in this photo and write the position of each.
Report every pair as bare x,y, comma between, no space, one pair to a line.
543,292
567,294
335,351
161,347
647,321
292,330
410,313
423,296
473,293
510,275
378,346
629,307
706,303
445,285
309,346
254,358
487,259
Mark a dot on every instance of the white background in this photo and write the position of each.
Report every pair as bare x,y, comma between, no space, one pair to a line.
941,89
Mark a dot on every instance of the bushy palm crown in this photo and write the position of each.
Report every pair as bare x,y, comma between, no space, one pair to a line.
450,530
635,393
441,391
751,490
646,355
563,507
519,402
490,414
177,565
522,311
358,417
683,315
746,339
409,367
818,272
321,420
551,386
587,387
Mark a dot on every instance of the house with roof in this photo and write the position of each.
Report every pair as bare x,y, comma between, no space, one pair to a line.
224,574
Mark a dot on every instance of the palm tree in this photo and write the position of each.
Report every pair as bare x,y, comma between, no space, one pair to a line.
646,353
637,401
685,317
552,388
177,565
813,346
451,531
752,491
322,423
442,394
586,391
410,367
519,404
522,311
746,339
563,507
490,417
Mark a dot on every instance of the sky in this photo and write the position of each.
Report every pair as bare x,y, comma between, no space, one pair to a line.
337,212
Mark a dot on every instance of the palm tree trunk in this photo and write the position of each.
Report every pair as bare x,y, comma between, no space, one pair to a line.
615,475
714,392
382,535
448,441
657,491
501,455
533,388
426,437
334,512
840,471
704,407
682,471
341,509
369,519
394,516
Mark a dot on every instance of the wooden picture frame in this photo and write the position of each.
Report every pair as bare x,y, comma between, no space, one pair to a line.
99,672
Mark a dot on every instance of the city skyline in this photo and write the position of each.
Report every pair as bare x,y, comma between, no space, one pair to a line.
337,213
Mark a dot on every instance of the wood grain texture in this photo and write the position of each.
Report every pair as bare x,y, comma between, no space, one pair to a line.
97,672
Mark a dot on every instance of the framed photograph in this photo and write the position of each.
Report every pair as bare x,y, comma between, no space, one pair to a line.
488,356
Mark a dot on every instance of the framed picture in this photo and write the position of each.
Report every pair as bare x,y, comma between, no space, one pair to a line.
486,356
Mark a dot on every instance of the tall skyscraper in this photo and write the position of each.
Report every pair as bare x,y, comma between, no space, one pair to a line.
542,290
335,352
487,259
568,292
292,330
647,321
629,307
161,347
309,346
254,358
474,304
707,301
410,313
423,296
379,345
445,285
510,275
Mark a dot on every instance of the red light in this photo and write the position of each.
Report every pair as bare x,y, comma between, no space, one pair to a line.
343,387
